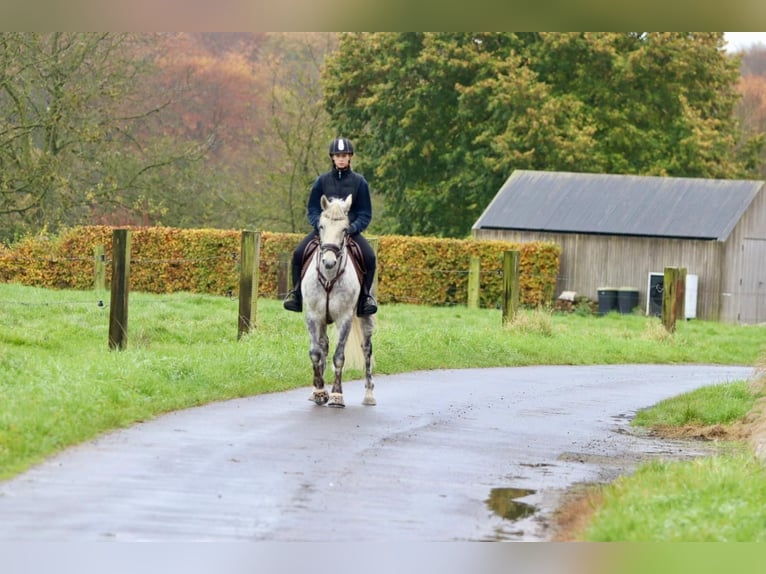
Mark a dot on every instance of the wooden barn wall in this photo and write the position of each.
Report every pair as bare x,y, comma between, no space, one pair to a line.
592,261
752,226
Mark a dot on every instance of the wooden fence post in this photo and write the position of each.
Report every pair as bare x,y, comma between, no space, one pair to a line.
118,309
673,297
250,255
474,273
283,275
99,268
510,285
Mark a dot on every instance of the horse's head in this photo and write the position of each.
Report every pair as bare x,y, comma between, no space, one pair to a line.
332,229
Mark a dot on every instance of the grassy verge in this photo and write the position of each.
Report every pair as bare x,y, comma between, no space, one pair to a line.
719,498
711,499
712,405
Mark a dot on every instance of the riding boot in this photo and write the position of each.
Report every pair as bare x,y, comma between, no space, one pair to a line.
294,301
367,303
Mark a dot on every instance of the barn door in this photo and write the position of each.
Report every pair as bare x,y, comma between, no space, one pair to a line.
753,289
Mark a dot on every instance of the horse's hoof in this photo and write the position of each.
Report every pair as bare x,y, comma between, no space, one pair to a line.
369,401
320,397
336,400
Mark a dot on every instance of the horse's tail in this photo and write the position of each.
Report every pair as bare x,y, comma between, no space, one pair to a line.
354,352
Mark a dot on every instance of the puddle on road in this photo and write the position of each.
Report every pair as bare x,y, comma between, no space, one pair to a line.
504,503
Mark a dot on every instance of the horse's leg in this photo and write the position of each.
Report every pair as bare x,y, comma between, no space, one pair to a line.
324,344
318,354
367,326
338,360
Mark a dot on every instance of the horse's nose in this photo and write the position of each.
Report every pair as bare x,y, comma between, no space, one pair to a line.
329,263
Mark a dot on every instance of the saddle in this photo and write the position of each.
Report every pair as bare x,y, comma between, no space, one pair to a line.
353,250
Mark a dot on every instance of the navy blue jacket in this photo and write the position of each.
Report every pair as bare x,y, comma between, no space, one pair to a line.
342,183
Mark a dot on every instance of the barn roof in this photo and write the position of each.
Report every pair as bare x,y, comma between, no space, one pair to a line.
563,202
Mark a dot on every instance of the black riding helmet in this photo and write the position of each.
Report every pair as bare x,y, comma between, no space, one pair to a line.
341,145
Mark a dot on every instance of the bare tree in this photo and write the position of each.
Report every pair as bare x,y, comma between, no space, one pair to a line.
68,137
292,149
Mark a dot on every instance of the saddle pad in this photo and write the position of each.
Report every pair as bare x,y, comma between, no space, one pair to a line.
353,248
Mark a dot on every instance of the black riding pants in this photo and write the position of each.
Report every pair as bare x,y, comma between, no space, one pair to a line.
370,261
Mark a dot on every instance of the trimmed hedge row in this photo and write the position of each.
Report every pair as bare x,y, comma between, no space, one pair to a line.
435,271
410,269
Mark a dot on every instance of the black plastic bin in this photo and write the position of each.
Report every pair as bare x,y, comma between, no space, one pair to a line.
607,300
627,300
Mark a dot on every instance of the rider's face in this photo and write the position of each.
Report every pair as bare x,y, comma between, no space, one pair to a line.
341,160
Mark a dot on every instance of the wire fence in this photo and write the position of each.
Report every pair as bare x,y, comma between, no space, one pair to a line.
272,261
100,296
433,285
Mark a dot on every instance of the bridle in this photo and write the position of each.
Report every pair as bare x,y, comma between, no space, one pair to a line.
340,254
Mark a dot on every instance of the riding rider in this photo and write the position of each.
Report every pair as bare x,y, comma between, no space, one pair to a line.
341,181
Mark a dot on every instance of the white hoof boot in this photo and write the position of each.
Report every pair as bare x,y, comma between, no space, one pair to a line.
336,400
369,399
320,397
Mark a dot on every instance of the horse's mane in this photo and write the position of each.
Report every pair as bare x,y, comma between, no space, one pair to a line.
334,210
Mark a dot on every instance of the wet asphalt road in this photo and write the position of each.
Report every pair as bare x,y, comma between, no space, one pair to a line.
420,466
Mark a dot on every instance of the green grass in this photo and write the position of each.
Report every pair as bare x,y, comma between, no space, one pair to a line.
711,499
461,337
61,385
712,405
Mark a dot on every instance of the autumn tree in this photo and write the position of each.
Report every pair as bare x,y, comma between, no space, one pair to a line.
751,109
255,101
446,117
215,102
68,122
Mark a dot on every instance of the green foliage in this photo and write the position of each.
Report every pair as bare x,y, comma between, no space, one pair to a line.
228,130
442,119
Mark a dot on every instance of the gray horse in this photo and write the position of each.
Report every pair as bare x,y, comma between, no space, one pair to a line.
330,289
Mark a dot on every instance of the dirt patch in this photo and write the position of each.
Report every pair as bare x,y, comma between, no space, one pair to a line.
572,518
739,431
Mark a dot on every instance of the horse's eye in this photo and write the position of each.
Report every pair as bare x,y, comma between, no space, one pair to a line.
321,227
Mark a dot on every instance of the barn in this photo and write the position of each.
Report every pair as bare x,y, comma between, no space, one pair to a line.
618,230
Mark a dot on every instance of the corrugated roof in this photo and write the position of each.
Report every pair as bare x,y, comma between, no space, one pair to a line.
564,202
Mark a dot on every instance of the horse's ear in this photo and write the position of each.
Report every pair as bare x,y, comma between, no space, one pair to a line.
323,202
347,203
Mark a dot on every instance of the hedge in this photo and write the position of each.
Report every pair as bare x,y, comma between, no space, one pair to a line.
410,269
